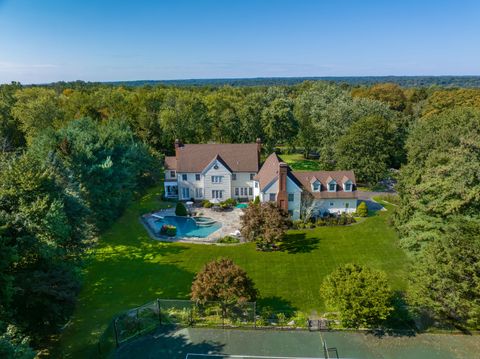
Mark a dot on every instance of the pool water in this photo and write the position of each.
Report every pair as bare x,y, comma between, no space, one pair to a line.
242,205
186,226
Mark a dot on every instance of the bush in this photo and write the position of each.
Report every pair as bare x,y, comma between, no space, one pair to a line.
362,210
228,240
168,230
360,294
180,210
256,200
230,202
207,204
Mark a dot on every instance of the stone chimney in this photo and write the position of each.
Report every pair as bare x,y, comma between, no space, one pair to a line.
259,150
282,195
178,144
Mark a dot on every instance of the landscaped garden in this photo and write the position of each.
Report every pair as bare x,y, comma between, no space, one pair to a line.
128,268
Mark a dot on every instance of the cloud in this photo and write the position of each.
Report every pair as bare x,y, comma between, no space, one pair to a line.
16,66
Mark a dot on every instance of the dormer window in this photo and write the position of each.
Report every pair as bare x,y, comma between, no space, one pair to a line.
316,186
332,187
347,186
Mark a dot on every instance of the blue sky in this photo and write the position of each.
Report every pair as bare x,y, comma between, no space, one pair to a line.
106,40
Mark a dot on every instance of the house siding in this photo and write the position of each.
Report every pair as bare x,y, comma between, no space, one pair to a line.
242,181
339,206
225,186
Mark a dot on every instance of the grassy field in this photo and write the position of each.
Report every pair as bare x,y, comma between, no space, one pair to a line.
298,163
128,269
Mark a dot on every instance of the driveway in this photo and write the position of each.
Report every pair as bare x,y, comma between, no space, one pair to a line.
367,197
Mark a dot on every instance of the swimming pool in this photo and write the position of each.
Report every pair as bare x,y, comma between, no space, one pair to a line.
186,226
242,205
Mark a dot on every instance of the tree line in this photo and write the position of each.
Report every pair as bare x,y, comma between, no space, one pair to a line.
73,155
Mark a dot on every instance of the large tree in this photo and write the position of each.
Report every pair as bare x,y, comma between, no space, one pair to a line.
446,276
361,295
367,148
264,223
223,281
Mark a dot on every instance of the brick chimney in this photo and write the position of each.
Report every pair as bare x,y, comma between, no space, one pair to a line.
178,144
259,150
282,196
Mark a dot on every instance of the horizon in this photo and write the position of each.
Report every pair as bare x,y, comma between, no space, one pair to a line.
118,41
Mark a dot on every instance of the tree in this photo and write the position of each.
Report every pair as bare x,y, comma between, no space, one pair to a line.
222,280
180,209
446,276
440,179
14,345
390,93
362,209
367,148
264,223
279,123
360,294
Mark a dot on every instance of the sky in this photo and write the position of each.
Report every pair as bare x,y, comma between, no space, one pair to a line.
111,40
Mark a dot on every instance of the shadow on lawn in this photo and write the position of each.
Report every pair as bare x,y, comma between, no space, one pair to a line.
298,243
276,304
167,343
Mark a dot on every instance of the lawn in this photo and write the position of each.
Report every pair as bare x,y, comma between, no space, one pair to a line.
298,163
128,269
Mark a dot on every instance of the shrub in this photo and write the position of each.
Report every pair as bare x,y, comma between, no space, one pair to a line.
230,201
360,294
207,204
168,230
224,281
228,240
256,200
180,210
362,210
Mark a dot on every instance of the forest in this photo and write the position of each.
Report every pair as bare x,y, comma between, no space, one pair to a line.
73,155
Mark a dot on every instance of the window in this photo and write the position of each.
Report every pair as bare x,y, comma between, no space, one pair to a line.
331,204
185,193
332,187
316,186
348,187
217,194
291,197
251,176
347,204
256,184
172,173
197,176
236,191
234,176
290,213
272,197
198,192
217,179
184,177
250,191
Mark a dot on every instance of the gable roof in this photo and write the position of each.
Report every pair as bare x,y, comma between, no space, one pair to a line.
170,163
238,157
269,172
324,177
219,159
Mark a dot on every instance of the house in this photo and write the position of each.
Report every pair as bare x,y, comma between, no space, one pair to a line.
221,171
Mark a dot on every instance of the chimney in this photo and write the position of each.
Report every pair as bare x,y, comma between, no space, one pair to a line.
282,196
178,144
259,150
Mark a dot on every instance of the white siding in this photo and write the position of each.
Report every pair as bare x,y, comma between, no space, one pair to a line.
191,183
291,188
242,181
225,185
335,206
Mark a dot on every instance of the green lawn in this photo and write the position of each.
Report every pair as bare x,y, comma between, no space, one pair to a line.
298,163
128,269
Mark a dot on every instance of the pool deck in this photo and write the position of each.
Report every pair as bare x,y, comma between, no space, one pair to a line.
229,219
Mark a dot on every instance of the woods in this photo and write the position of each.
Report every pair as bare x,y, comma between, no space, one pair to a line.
72,156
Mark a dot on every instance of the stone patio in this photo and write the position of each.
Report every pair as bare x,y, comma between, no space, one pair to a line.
230,221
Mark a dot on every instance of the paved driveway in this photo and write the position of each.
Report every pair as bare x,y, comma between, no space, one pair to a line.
367,197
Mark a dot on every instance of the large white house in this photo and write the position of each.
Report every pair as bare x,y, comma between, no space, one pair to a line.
221,171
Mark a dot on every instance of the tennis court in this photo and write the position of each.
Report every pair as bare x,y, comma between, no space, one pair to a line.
202,343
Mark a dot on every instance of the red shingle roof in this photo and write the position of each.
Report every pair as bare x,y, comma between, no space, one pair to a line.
170,163
324,177
238,157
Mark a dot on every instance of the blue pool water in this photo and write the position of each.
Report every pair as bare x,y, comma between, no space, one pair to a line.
186,226
242,205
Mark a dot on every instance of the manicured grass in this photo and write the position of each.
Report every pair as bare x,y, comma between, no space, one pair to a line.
128,269
298,163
